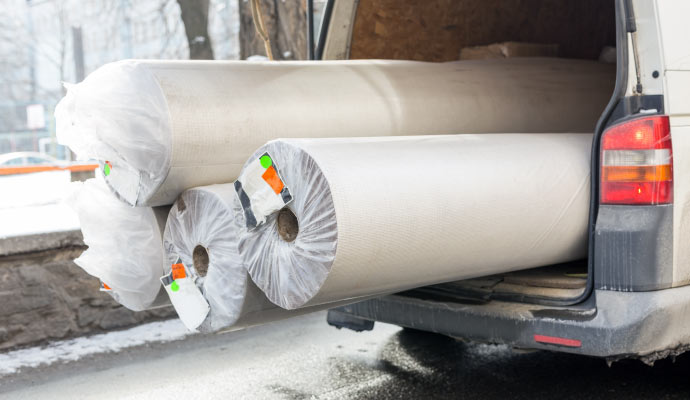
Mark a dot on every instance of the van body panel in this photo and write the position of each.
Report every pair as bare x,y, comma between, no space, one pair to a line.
680,132
674,32
674,43
649,50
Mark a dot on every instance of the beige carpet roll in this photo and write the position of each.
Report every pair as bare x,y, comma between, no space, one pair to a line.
369,216
160,127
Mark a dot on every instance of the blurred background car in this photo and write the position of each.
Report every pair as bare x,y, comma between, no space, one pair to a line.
26,158
25,162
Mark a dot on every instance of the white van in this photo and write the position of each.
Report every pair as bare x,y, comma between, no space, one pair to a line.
630,297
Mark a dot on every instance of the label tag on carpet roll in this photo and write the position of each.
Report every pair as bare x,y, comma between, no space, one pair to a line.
105,288
124,179
261,190
185,296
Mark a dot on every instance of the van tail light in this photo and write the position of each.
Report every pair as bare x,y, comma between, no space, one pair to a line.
637,162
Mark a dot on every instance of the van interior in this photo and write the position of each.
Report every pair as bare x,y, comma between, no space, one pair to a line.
442,30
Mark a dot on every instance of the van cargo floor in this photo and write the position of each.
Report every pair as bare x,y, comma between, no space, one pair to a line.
545,284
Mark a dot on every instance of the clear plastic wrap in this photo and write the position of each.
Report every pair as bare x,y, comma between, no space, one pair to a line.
160,127
119,115
202,228
381,215
305,262
125,248
210,217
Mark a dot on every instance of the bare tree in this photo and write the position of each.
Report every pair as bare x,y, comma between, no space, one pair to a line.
170,30
286,25
195,20
62,40
17,83
14,58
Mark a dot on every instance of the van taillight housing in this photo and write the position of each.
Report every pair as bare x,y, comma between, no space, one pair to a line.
637,162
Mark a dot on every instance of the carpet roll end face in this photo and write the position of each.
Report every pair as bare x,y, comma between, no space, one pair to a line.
127,255
291,235
119,117
200,240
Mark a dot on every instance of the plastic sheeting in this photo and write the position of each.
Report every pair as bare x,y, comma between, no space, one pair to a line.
202,228
210,217
164,126
380,215
125,248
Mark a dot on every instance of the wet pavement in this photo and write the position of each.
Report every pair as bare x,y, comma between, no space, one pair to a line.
304,358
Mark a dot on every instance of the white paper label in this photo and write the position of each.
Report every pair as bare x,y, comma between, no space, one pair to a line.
122,178
185,296
261,190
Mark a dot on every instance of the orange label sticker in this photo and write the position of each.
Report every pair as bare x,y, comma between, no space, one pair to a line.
271,177
106,287
178,271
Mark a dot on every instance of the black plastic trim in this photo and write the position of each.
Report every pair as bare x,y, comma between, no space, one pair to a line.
310,29
344,320
604,120
610,324
631,105
645,234
323,33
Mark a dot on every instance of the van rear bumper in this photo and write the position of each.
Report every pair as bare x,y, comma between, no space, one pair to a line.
615,325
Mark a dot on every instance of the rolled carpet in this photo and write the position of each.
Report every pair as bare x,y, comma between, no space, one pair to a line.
160,127
369,216
201,237
125,247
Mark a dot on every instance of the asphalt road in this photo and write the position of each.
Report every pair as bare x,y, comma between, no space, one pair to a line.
304,358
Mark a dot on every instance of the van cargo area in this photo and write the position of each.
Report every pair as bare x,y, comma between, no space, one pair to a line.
627,298
472,29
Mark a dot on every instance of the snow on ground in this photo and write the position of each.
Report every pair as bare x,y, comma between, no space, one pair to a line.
75,349
37,219
31,203
25,190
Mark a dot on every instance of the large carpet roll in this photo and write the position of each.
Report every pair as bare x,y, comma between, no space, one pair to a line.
160,127
369,216
125,249
202,233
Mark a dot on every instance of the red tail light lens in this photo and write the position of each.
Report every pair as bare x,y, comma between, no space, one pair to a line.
637,162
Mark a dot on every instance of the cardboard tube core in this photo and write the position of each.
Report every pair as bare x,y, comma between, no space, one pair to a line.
288,226
200,259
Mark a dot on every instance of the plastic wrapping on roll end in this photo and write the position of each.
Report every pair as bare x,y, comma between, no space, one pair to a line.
124,244
311,250
201,233
119,117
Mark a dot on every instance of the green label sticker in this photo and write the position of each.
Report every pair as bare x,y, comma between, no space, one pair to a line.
106,168
266,161
174,286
